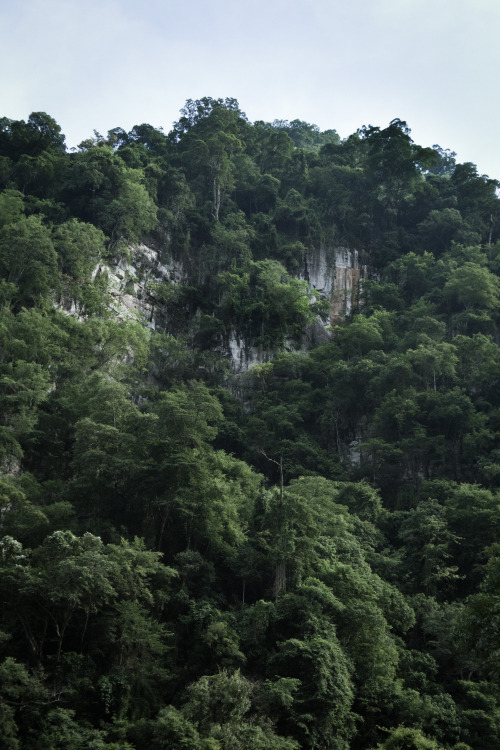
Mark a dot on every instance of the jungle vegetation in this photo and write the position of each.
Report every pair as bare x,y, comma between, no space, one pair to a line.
314,567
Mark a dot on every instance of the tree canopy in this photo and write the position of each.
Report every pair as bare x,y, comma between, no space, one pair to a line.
299,554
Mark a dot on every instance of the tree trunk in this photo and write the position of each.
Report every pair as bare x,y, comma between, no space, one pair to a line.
279,579
217,199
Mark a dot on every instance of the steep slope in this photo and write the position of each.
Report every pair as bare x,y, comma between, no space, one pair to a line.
313,564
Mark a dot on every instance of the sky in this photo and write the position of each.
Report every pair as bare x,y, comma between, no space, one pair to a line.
101,64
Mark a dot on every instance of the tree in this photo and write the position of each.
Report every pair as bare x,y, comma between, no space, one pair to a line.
323,701
407,738
11,207
28,260
21,693
213,155
38,134
80,248
24,387
393,163
477,626
198,110
428,546
102,190
362,335
472,287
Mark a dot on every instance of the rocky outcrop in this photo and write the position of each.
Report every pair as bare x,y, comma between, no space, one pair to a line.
334,272
132,277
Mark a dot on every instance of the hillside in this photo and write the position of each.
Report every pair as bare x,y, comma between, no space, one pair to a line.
249,439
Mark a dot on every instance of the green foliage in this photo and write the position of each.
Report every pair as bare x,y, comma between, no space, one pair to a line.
267,305
157,591
478,623
28,260
404,738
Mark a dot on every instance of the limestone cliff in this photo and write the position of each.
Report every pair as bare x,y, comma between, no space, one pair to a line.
334,272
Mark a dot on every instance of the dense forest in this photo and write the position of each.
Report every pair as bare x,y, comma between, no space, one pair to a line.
303,555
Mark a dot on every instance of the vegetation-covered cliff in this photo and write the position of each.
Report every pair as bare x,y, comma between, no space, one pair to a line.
249,439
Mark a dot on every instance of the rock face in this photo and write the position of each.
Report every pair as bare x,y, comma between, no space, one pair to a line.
243,356
130,281
334,272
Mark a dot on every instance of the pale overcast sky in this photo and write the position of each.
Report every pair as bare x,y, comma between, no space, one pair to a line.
101,64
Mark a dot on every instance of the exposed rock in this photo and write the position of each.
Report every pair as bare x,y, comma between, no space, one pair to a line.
334,272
